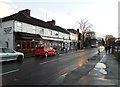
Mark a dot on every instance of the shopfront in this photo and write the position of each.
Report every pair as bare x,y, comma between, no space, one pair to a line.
66,44
52,42
26,42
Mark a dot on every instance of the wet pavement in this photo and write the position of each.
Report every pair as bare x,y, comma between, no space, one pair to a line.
96,72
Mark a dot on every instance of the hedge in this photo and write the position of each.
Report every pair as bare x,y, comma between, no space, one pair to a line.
117,55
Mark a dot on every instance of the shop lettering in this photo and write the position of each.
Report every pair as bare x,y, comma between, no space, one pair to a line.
8,29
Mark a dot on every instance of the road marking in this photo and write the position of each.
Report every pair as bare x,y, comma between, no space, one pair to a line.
9,72
48,61
75,68
102,58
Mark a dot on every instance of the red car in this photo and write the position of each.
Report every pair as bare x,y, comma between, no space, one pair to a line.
44,51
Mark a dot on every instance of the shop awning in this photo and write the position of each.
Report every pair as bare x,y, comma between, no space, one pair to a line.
27,36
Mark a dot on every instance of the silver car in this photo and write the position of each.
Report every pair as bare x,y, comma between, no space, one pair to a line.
7,54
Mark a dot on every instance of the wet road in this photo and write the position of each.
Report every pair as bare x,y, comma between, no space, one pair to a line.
42,71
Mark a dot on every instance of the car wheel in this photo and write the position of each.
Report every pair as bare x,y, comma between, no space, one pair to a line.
20,58
55,53
46,54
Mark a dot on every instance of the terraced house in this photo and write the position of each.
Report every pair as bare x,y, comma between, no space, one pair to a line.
23,32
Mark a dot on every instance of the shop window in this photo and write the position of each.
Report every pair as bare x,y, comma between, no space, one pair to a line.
28,45
18,45
23,45
36,45
45,44
41,31
51,33
32,44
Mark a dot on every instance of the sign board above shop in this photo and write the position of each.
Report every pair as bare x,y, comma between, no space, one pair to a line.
8,30
29,36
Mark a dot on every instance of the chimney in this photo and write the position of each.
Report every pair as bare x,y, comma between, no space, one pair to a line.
78,30
26,12
52,23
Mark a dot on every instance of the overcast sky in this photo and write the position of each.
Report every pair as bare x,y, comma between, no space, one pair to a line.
102,14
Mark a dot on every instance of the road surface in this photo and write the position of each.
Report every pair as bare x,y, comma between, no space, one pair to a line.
44,71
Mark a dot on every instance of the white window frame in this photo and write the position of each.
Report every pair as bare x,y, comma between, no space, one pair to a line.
41,31
33,29
19,26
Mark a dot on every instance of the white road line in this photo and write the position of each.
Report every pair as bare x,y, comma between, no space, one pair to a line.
102,58
9,72
75,68
47,61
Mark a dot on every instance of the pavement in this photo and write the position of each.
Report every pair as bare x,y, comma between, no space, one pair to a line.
93,73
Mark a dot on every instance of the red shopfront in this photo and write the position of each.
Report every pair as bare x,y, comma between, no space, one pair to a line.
26,42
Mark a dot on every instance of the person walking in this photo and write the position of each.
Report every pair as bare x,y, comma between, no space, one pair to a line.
109,48
106,48
98,50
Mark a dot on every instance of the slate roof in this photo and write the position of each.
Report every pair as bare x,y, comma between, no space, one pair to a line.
72,31
33,21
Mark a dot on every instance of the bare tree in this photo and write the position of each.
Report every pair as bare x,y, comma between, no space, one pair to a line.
84,26
110,39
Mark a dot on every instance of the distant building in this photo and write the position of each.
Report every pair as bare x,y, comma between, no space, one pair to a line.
73,38
93,40
23,32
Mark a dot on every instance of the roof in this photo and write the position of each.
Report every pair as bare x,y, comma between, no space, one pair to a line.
72,31
34,21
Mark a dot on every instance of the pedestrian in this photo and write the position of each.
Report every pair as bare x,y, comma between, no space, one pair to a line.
109,48
76,48
98,50
106,48
113,49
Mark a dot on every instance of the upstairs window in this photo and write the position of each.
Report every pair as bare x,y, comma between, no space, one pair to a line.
41,31
33,30
51,33
19,26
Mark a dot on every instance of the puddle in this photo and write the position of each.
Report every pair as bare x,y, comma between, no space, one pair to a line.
99,70
100,66
103,71
83,62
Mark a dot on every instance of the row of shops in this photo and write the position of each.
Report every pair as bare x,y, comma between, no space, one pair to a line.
26,42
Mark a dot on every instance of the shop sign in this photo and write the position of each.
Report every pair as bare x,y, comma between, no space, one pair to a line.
67,41
22,34
7,30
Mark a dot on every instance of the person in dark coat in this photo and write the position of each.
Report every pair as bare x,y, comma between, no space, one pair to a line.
109,48
106,48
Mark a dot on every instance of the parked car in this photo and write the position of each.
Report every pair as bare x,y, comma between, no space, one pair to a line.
44,51
7,54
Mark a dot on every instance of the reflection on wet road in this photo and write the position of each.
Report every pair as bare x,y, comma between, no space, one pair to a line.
41,71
